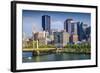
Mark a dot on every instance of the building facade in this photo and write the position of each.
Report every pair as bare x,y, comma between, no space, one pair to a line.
75,38
41,37
61,39
70,26
65,38
46,23
81,31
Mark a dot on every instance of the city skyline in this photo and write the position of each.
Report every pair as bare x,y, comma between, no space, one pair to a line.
48,33
34,19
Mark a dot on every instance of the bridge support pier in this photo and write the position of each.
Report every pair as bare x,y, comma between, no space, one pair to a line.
38,52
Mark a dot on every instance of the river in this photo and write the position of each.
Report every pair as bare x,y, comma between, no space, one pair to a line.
27,57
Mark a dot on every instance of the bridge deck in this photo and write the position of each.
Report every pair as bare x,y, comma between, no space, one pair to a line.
39,49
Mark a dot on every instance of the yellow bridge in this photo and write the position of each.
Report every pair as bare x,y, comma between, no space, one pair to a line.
38,50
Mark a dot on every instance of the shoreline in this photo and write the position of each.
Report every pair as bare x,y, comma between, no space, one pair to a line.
64,50
46,53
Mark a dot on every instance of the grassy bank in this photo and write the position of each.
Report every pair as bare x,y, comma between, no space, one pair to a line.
63,50
77,50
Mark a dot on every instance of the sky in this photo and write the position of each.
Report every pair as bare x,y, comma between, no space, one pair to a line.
32,20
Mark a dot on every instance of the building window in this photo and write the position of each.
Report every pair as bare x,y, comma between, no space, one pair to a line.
58,36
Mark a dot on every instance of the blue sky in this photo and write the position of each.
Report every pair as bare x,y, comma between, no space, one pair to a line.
32,20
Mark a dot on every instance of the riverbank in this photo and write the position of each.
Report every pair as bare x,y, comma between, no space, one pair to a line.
43,51
76,50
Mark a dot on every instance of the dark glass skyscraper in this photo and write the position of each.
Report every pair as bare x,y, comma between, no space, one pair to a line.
67,25
46,23
79,30
70,26
82,33
88,31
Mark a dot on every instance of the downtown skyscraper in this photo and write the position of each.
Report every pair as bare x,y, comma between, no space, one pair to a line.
70,26
80,30
46,25
82,33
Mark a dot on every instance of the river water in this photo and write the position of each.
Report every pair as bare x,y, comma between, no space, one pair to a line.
27,57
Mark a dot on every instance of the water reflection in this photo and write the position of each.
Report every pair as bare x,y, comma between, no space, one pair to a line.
37,59
27,57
